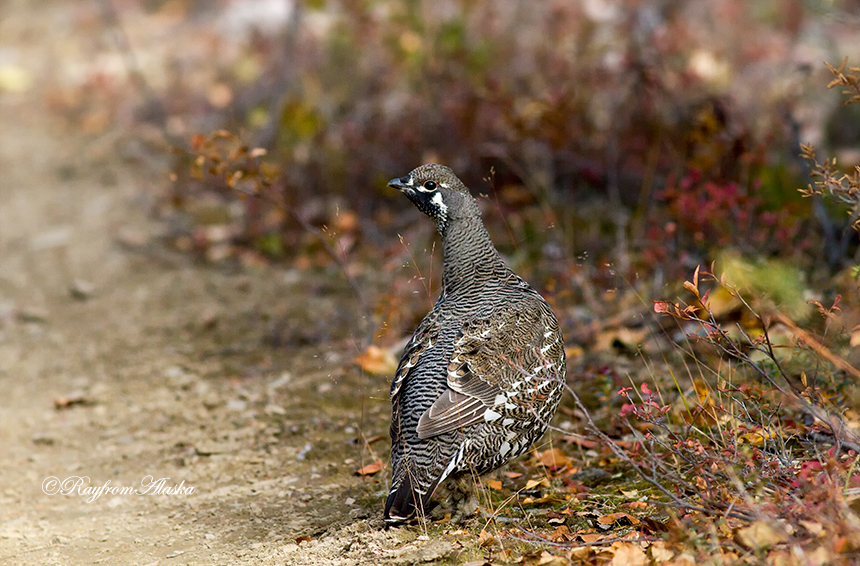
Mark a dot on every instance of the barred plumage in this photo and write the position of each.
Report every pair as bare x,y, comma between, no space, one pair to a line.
483,373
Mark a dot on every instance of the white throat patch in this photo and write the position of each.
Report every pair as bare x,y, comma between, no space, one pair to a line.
443,210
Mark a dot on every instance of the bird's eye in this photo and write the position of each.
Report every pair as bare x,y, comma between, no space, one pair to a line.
430,186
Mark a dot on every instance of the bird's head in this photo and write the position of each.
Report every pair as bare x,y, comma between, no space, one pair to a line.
438,193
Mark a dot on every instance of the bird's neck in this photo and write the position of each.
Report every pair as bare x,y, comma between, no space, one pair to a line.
470,262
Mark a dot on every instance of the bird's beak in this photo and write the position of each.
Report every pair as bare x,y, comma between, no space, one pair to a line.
401,183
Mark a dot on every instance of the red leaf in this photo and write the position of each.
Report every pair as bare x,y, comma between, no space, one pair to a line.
661,307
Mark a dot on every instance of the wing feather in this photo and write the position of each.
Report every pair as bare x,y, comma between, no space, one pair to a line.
492,354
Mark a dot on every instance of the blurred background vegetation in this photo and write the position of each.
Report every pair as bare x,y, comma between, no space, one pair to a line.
648,136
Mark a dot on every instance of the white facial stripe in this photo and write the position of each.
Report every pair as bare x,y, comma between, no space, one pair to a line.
423,189
411,181
437,200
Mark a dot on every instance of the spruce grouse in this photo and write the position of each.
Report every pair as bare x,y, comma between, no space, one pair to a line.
484,371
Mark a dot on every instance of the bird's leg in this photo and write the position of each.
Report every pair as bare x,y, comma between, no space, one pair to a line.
458,498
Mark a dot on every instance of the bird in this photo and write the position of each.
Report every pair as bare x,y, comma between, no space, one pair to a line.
483,373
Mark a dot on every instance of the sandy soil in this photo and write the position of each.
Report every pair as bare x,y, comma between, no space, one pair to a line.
121,361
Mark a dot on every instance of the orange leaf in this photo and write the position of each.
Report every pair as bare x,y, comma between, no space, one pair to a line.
370,469
376,360
554,458
628,554
622,519
494,484
691,289
561,534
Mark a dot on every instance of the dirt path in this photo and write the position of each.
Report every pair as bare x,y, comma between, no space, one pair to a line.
238,385
233,383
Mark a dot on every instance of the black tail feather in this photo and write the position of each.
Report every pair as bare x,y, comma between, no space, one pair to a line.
405,502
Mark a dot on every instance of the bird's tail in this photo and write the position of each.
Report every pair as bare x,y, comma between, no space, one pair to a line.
407,501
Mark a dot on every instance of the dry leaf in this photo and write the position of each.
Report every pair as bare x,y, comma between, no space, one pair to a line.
554,458
621,519
815,529
560,534
628,554
684,560
760,535
531,484
512,475
76,398
691,289
494,484
370,469
376,360
660,551
620,337
303,538
547,559
485,539
549,498
590,537
661,307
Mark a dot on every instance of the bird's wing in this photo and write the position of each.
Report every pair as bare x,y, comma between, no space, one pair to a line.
495,359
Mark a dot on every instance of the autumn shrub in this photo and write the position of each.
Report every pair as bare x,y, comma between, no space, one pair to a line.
616,129
746,441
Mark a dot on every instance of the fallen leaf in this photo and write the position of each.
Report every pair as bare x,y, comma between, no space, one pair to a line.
554,458
660,551
619,338
815,529
760,535
549,498
620,519
376,360
76,398
512,475
560,534
628,554
494,484
485,539
579,441
531,484
370,469
303,538
684,560
548,559
590,537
